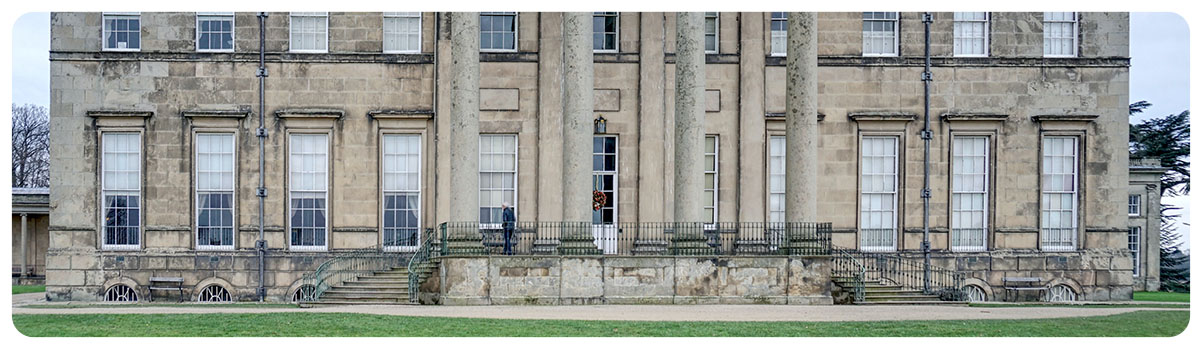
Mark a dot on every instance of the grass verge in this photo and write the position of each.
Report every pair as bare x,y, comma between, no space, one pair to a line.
1162,296
1097,306
37,288
1132,324
116,305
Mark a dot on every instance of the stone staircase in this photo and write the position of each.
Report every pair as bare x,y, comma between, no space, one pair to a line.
380,287
878,293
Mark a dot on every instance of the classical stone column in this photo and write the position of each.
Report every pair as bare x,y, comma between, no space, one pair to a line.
464,235
689,134
24,245
800,198
577,134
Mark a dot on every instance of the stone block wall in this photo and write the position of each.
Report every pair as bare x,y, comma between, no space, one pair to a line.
1094,275
629,280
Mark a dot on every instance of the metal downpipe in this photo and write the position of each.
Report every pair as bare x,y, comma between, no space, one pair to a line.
260,246
926,136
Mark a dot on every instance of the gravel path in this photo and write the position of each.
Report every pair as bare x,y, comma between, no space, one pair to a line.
650,312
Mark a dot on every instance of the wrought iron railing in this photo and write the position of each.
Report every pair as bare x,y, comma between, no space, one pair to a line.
348,265
905,270
848,269
420,265
641,238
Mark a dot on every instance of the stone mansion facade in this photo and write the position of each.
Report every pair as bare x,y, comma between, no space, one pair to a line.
155,156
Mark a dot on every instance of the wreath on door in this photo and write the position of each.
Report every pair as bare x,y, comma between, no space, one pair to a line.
598,200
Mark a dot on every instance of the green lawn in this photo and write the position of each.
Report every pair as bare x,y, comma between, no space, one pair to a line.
29,289
1161,296
121,305
1134,324
1100,306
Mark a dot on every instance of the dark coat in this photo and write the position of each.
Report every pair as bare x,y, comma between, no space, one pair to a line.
508,217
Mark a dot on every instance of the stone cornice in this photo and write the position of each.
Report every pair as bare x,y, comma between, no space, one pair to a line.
119,113
288,57
330,113
992,117
620,57
870,116
918,61
400,114
1064,118
778,115
215,113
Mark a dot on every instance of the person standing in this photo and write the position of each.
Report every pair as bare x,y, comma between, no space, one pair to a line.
510,219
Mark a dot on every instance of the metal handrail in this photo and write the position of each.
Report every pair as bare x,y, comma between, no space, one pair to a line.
347,265
642,238
908,272
419,263
846,266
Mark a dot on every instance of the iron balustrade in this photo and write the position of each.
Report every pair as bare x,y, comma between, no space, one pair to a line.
900,270
640,238
852,272
348,265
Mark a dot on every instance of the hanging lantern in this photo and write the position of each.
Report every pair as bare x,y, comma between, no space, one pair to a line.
601,125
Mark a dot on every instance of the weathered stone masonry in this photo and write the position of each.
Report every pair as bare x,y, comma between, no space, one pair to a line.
354,92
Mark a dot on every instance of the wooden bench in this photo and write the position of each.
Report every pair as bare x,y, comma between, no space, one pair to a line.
168,284
1018,284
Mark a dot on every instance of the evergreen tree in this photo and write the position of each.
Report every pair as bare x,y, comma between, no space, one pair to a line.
1167,139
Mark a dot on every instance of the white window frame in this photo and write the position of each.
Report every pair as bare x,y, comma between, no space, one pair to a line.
863,208
292,32
961,21
105,30
516,32
615,173
716,173
324,194
384,192
418,16
105,191
780,172
716,34
197,191
1135,205
616,31
1045,241
958,156
1074,22
895,36
232,30
1134,241
516,172
778,50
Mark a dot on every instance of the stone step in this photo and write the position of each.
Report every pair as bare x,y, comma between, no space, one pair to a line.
377,283
383,278
353,294
356,302
914,302
901,298
369,288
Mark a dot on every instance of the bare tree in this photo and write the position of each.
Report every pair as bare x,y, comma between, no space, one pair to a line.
30,146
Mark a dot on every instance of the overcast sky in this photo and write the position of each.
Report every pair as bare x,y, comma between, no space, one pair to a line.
1158,45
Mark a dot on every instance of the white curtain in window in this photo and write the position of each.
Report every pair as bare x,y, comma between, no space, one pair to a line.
309,31
970,33
497,175
1059,32
878,202
401,31
779,26
969,186
776,158
1059,192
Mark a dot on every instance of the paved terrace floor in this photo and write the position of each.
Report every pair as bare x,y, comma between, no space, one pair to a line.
630,312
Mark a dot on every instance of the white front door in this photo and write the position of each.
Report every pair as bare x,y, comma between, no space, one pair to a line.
604,180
